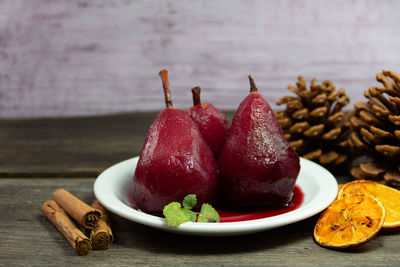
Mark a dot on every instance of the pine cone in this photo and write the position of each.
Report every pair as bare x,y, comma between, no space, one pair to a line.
376,126
314,122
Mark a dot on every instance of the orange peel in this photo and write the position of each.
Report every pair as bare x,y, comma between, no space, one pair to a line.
350,221
340,186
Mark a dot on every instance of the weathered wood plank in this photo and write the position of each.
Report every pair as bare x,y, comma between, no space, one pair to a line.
72,146
65,58
28,239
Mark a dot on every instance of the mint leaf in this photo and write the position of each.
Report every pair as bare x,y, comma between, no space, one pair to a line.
192,215
175,215
189,201
208,214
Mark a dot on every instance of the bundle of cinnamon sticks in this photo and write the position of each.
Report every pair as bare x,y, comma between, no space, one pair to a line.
63,206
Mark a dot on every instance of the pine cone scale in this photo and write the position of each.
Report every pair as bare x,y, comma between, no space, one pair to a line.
332,134
300,114
328,157
379,132
315,130
336,117
388,150
372,168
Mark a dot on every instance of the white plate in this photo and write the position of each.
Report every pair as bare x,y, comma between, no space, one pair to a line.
318,185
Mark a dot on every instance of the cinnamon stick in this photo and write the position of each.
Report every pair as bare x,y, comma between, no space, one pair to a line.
101,236
85,215
66,226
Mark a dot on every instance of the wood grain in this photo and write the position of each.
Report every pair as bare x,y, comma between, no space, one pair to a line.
74,58
29,239
70,147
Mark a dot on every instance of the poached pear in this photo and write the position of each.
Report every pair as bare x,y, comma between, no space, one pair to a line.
175,161
257,166
211,121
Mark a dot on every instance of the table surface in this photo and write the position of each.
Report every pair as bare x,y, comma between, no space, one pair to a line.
39,156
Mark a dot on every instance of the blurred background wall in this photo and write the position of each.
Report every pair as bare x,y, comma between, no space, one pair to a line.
75,58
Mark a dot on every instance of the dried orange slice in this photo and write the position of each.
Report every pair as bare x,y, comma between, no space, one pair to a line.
350,221
389,197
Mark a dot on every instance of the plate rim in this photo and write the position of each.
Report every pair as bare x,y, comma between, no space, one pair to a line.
217,229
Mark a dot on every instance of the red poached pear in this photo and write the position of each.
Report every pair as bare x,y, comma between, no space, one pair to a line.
175,161
211,121
257,166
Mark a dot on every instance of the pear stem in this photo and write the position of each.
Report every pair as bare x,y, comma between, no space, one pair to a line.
253,87
167,90
196,96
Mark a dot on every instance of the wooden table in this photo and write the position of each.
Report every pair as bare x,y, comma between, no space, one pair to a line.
41,155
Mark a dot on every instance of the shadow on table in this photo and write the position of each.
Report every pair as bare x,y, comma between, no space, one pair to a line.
297,236
130,234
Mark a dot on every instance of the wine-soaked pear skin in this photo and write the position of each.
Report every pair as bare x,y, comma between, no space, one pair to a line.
257,166
212,123
175,161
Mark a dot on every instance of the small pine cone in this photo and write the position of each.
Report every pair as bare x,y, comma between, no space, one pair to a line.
314,123
376,131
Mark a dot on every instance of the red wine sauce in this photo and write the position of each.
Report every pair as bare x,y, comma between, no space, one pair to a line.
246,214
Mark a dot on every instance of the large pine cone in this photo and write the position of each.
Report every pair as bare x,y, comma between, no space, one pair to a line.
376,125
314,122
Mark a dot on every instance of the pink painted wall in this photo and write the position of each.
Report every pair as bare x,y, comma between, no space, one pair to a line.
73,58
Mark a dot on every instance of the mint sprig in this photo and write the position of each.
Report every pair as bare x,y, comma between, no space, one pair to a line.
176,214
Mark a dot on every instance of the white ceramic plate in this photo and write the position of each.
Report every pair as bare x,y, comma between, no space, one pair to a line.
318,185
